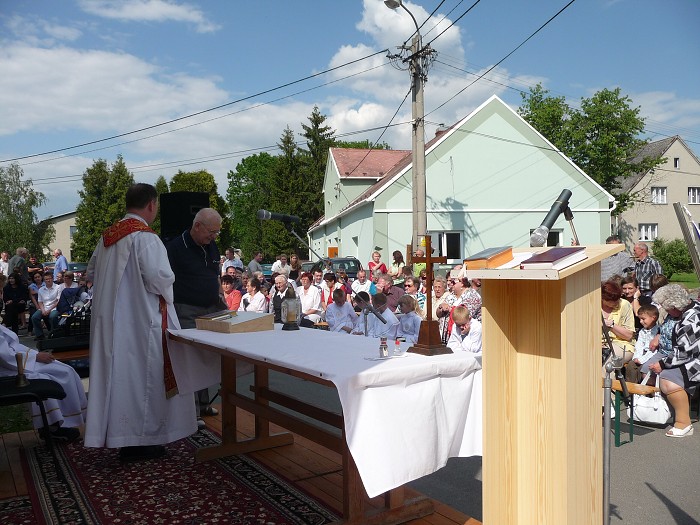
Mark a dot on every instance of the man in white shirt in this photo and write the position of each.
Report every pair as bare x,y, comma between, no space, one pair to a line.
280,266
47,298
361,284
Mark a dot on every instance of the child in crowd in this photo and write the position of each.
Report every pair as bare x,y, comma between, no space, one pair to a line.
340,316
648,315
466,332
409,322
375,327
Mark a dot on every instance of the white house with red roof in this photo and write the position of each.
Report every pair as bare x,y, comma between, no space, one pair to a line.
490,180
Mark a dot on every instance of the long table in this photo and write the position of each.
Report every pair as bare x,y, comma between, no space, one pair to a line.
402,418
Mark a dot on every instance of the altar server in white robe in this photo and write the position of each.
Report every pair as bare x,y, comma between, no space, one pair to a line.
129,368
466,332
340,315
375,328
64,415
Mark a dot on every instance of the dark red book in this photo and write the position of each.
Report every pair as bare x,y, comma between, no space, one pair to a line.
555,258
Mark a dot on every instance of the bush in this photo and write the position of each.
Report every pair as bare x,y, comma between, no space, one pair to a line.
673,256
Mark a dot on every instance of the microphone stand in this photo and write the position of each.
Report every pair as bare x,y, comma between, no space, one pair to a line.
569,216
290,229
365,312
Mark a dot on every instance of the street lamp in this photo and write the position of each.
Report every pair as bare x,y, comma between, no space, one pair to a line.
420,218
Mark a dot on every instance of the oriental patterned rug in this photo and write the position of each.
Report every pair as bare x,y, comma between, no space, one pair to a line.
93,487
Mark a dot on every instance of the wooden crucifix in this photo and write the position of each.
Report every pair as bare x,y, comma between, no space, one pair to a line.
429,340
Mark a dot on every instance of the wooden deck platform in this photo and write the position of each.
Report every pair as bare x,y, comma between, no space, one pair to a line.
310,466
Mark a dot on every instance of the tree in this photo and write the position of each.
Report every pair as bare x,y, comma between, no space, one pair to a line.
673,256
248,191
19,226
601,137
319,138
203,181
161,186
101,204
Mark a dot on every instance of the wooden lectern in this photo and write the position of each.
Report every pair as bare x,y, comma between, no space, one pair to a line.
543,446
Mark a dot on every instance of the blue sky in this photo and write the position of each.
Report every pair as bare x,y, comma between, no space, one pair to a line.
80,71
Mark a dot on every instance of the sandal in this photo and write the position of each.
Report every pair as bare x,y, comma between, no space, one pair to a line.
680,432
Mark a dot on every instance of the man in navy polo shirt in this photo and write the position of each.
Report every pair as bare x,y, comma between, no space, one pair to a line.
194,259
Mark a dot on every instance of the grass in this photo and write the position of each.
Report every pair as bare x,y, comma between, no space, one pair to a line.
689,280
14,418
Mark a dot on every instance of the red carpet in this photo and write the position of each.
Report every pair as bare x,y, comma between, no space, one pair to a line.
93,487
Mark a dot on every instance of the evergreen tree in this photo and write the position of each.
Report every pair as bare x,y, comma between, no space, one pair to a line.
101,204
319,138
19,226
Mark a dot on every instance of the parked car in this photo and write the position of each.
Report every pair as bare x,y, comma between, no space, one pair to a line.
350,265
267,271
307,266
78,269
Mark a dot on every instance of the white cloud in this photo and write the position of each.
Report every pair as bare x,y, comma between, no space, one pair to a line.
96,91
149,11
60,32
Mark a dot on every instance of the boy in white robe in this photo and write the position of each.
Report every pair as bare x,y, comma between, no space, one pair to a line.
64,415
340,316
466,332
375,327
127,405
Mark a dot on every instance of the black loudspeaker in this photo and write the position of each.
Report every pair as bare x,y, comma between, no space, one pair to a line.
177,211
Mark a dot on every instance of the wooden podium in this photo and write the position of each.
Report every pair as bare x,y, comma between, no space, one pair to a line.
543,446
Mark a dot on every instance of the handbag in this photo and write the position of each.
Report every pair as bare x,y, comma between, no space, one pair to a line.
650,409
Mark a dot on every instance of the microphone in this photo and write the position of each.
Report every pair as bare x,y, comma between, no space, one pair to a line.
265,215
376,313
539,236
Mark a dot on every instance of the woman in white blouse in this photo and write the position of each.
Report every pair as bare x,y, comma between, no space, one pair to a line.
254,299
310,298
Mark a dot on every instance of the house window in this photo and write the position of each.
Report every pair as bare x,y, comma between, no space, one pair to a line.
73,229
648,232
448,244
694,195
658,195
554,238
676,162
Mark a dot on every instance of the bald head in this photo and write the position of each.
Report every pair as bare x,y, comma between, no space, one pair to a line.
205,226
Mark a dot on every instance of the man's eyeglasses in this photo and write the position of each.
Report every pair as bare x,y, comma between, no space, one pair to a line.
211,232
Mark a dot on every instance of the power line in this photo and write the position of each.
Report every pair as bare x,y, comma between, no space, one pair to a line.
503,59
255,106
198,112
454,22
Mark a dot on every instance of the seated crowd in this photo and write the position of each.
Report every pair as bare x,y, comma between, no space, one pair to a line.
654,329
328,299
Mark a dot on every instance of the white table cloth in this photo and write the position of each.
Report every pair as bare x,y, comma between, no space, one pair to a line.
404,417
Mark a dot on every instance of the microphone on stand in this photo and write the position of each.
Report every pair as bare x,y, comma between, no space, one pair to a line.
539,236
265,215
376,313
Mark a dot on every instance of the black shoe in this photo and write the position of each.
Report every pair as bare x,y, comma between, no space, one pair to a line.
63,434
132,454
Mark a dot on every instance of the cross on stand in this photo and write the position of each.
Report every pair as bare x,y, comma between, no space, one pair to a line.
429,340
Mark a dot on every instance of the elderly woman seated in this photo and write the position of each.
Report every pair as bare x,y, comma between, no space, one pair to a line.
619,320
679,369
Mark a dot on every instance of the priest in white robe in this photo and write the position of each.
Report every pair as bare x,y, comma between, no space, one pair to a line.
64,415
129,367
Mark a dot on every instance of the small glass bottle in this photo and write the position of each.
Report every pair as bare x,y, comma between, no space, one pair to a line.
397,347
383,348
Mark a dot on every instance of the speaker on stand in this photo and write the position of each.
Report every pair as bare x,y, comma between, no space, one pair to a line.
177,211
